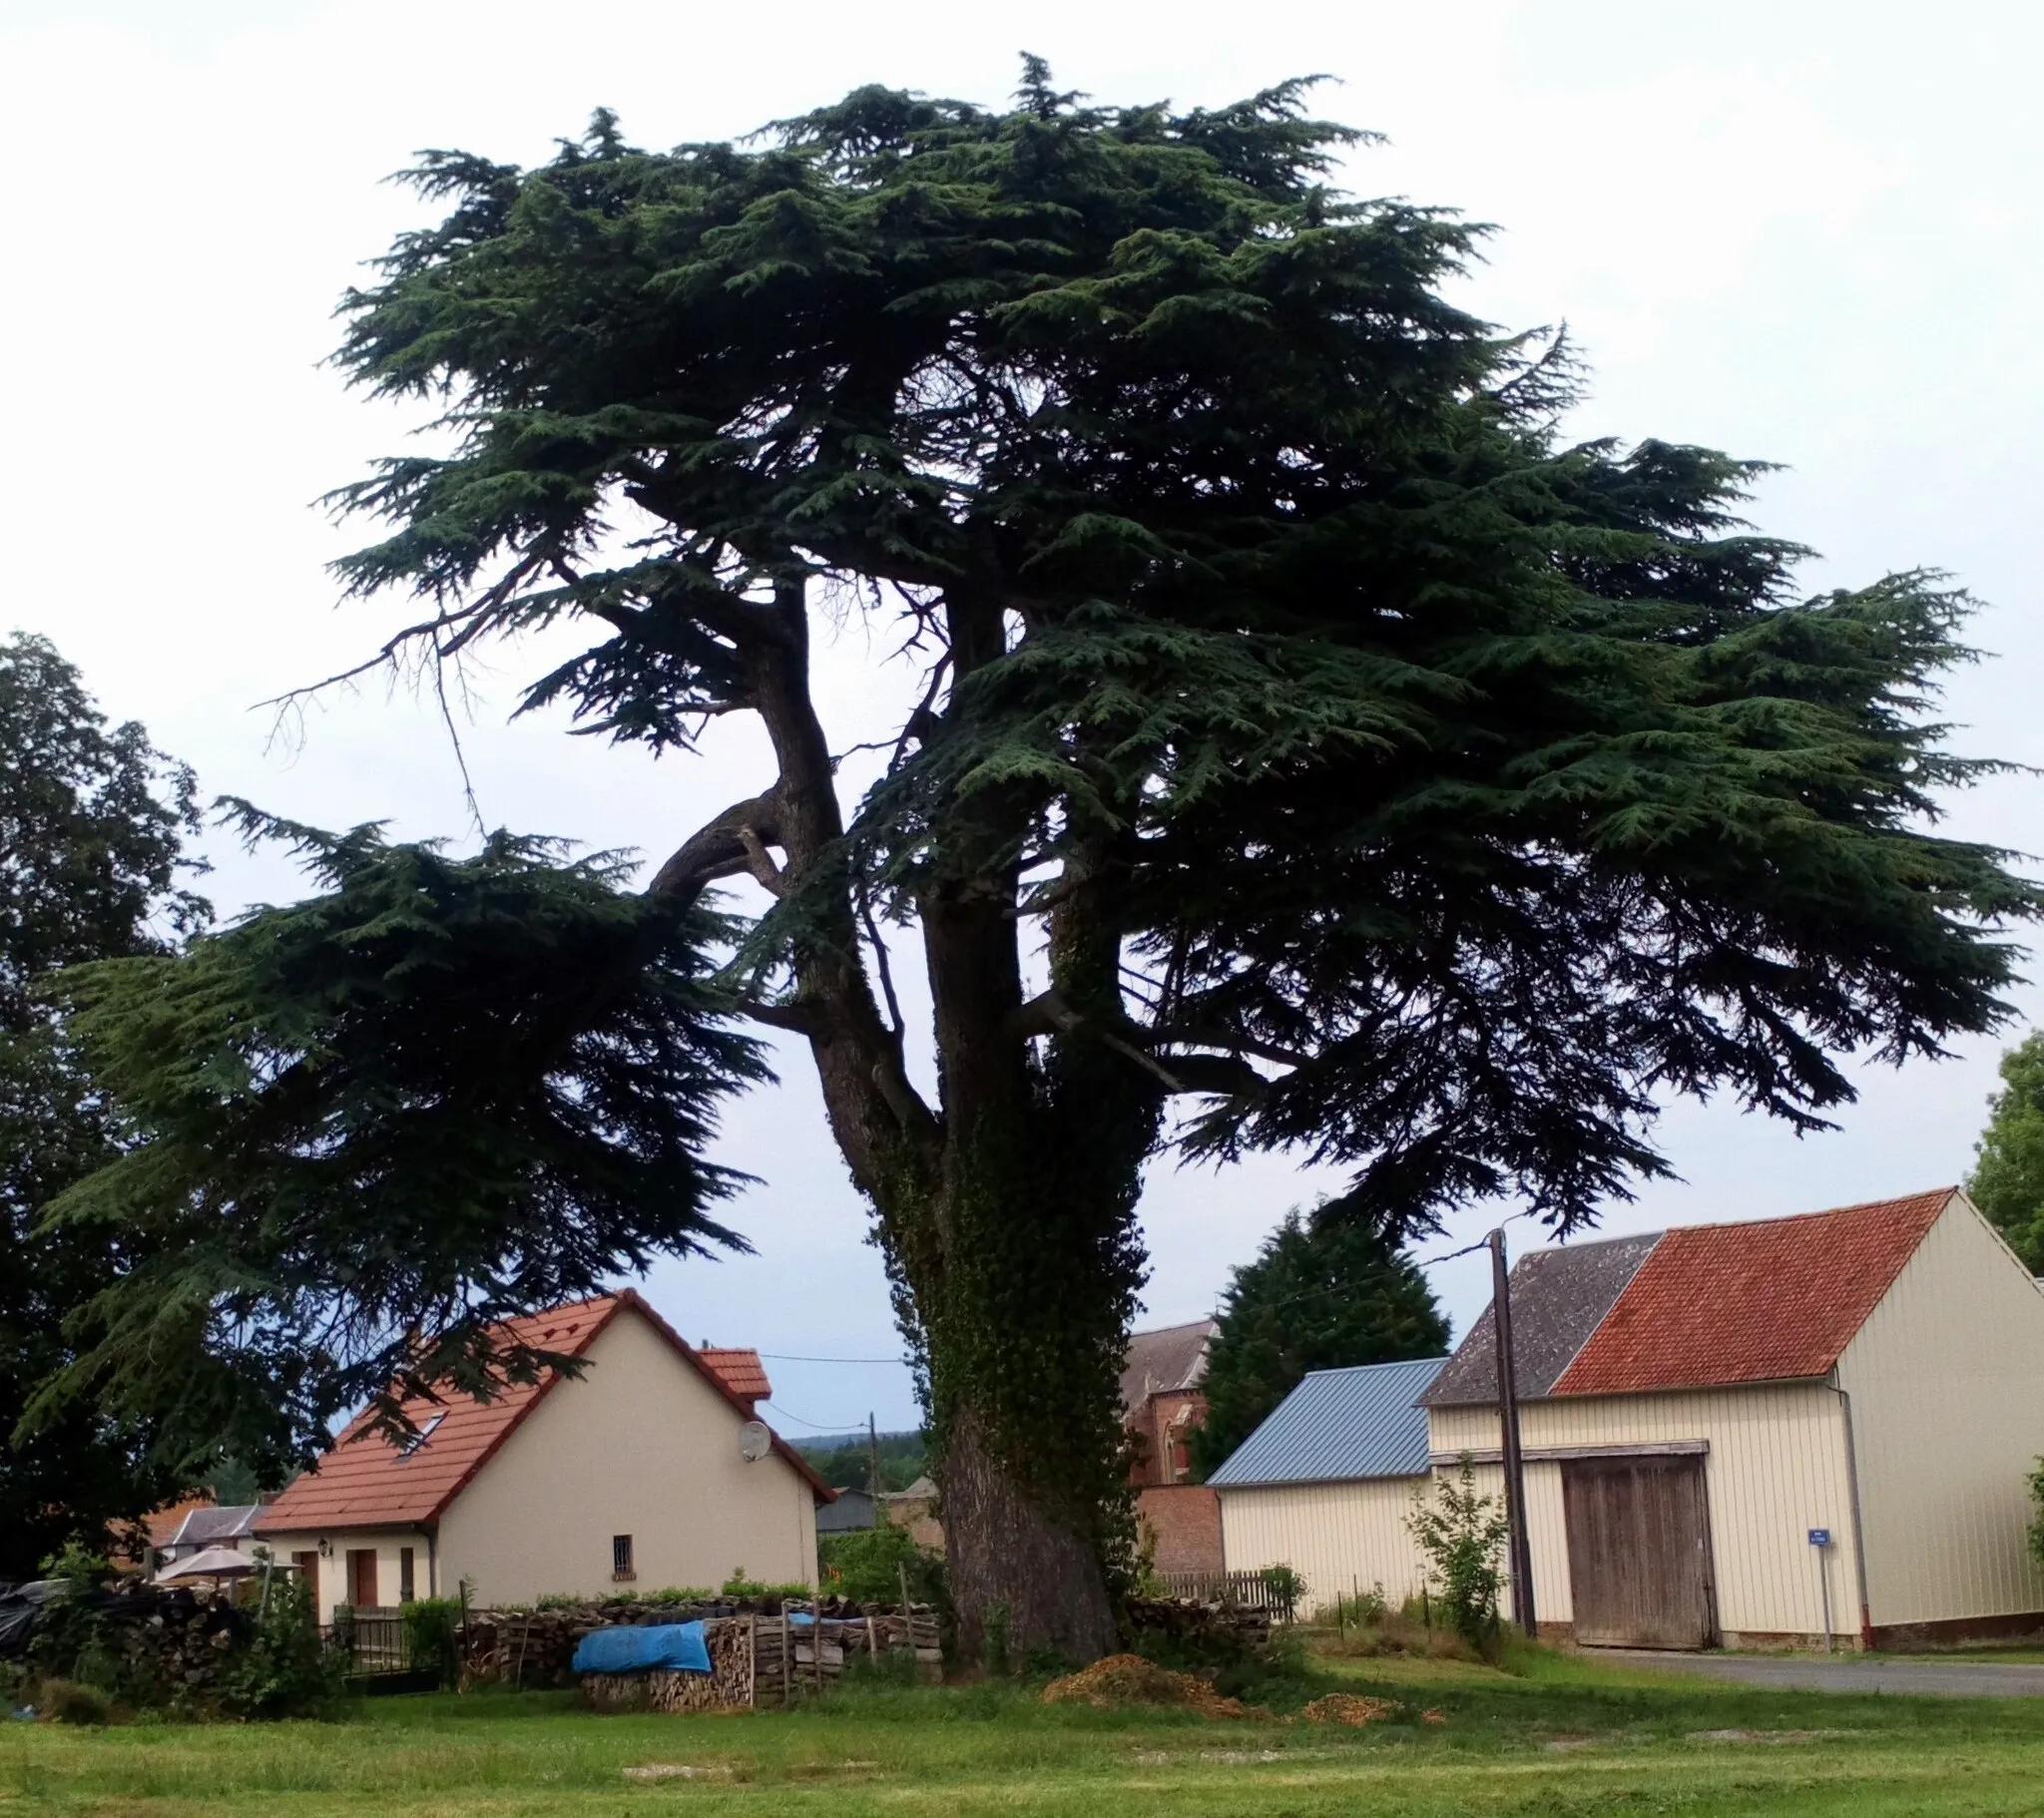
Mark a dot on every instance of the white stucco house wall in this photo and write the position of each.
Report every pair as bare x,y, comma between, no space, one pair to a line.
631,1475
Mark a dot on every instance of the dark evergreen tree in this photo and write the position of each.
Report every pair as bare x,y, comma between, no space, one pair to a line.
92,821
2008,1179
1325,1292
1314,740
380,1121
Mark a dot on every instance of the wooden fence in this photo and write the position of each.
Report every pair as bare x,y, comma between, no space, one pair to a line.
1242,1590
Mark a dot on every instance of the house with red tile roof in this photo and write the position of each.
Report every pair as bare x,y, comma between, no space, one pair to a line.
647,1469
1744,1433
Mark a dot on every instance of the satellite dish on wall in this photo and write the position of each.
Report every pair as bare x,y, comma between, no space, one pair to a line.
754,1441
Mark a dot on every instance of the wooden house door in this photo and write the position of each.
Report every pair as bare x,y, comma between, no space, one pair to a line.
308,1565
1639,1551
361,1577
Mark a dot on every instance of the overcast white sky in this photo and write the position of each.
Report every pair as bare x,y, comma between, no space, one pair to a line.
1805,231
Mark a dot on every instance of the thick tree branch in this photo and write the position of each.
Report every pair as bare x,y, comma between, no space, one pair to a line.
761,863
718,848
1226,1073
794,1017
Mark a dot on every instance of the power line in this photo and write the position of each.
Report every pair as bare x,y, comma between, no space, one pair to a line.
1418,1262
815,1426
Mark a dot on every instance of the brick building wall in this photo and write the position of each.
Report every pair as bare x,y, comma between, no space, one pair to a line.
1185,1520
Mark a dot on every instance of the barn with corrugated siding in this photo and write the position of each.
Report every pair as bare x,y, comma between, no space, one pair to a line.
1326,1484
1743,1434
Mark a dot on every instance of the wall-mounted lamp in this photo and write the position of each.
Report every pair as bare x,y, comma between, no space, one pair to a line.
325,1548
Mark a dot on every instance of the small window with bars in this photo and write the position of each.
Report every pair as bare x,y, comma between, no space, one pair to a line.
621,1559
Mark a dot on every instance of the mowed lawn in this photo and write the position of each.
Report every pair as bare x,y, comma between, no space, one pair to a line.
1560,1736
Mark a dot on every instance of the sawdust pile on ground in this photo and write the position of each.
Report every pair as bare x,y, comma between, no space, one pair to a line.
1121,1680
1351,1708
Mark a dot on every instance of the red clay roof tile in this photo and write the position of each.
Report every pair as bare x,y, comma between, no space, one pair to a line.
1768,1301
740,1371
366,1482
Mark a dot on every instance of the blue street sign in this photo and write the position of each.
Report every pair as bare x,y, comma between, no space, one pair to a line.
1820,1537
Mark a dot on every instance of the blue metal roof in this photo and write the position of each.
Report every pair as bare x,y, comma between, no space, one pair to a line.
1340,1424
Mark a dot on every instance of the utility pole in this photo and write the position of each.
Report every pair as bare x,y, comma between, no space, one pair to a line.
872,1459
1508,1426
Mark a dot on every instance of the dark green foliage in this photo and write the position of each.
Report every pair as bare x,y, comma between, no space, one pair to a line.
71,1701
1482,784
2008,1179
2036,1528
70,1642
367,1125
1352,755
740,1585
1284,1587
1276,1672
904,1456
867,1564
1325,1292
92,821
286,1668
433,1636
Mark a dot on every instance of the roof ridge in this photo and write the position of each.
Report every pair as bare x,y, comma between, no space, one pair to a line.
1562,1243
1750,1300
1828,1211
1388,1363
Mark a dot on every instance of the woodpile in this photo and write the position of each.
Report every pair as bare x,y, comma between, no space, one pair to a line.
1198,1624
727,1687
178,1641
795,1658
757,1658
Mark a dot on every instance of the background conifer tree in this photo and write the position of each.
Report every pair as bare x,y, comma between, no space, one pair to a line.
2007,1182
1325,1292
92,824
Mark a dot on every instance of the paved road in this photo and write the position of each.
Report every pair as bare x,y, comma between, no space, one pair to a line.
1848,1672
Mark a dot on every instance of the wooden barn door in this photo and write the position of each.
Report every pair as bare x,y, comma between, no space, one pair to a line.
1639,1551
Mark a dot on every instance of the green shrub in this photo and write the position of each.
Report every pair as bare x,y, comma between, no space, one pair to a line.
1284,1587
70,1701
867,1564
70,1637
998,1665
740,1586
286,1670
1275,1674
1359,1610
1462,1536
433,1637
895,1667
680,1593
2037,1521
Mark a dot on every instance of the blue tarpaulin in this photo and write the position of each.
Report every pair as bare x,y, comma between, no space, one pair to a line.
658,1647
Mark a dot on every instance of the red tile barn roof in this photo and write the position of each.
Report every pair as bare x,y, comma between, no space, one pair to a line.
366,1482
1738,1303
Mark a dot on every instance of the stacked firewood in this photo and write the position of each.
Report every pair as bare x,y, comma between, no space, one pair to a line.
781,1657
727,1687
791,1658
179,1643
1198,1623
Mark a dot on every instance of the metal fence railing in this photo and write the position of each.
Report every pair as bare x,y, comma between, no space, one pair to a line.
374,1639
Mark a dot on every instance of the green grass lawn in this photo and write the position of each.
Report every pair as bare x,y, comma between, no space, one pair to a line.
1558,1737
